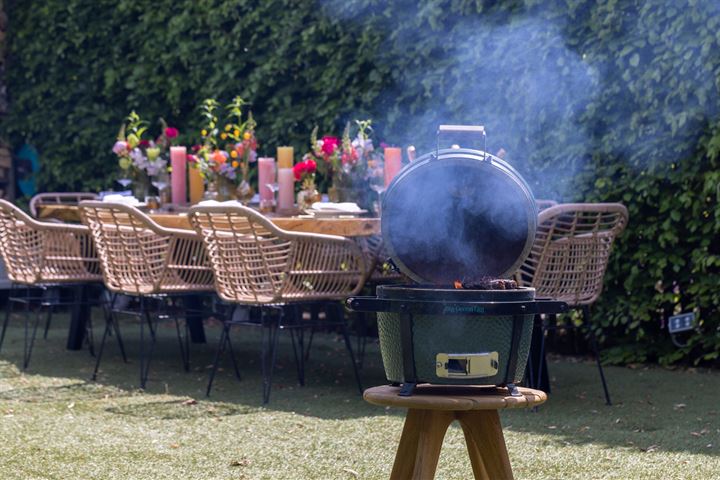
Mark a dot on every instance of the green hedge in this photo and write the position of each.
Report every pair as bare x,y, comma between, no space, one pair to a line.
593,101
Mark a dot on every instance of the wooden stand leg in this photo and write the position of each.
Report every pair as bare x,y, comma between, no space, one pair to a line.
486,444
419,450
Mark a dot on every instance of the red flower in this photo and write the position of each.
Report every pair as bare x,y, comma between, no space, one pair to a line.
143,143
196,148
308,167
330,144
171,132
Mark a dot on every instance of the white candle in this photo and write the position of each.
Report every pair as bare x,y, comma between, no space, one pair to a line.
286,189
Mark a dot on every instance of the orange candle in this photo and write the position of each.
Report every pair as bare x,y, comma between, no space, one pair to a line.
197,185
393,163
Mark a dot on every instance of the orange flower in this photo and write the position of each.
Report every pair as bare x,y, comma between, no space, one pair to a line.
235,164
218,157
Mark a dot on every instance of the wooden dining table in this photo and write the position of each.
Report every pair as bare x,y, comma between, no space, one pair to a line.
345,226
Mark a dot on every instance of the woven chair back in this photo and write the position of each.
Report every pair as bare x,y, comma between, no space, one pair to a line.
40,252
138,256
256,262
544,204
571,251
58,198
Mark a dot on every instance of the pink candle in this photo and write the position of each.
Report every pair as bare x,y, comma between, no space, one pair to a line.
266,174
393,163
286,189
178,179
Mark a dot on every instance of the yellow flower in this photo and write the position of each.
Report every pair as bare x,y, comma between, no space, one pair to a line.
203,133
223,135
234,154
246,136
235,164
228,127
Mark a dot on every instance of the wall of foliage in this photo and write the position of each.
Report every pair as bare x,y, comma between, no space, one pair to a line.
593,101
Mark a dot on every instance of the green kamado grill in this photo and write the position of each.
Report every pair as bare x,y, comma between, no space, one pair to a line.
456,216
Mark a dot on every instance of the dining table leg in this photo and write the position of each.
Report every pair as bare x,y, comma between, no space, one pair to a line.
194,318
79,317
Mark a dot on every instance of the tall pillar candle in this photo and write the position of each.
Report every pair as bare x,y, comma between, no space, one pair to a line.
266,175
285,157
178,179
286,189
393,163
197,185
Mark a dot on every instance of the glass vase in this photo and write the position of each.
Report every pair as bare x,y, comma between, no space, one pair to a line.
244,191
141,186
225,189
308,194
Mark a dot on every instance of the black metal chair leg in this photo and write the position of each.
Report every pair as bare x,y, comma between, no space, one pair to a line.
145,359
218,354
47,324
361,339
269,357
299,358
310,341
181,341
116,330
348,345
232,355
108,326
541,357
596,348
8,311
29,347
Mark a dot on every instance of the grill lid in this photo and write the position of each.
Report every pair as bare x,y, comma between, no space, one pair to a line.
458,214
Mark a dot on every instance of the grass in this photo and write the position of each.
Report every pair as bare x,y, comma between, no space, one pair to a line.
55,424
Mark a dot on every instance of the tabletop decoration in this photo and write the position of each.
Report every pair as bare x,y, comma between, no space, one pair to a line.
353,165
140,159
225,154
305,173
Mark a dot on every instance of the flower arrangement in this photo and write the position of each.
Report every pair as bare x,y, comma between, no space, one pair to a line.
351,164
227,148
138,157
304,172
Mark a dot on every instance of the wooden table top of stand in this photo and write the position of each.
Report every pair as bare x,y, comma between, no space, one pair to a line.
454,397
343,226
432,408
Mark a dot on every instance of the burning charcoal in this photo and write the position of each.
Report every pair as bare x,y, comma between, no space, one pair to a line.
488,284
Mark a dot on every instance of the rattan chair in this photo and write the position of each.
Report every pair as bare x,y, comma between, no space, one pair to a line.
43,256
156,265
567,262
258,264
58,198
544,204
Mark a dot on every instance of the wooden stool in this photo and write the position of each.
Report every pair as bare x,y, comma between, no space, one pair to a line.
432,408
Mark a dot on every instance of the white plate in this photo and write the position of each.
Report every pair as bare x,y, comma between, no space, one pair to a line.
334,213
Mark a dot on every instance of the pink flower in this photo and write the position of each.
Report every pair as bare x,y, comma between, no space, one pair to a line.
196,148
120,147
171,132
191,158
330,144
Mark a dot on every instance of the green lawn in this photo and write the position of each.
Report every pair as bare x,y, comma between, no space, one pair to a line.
56,424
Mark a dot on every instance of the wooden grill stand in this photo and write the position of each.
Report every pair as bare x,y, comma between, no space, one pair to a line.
431,410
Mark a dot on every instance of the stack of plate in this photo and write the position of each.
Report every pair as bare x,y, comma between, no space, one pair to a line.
327,210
